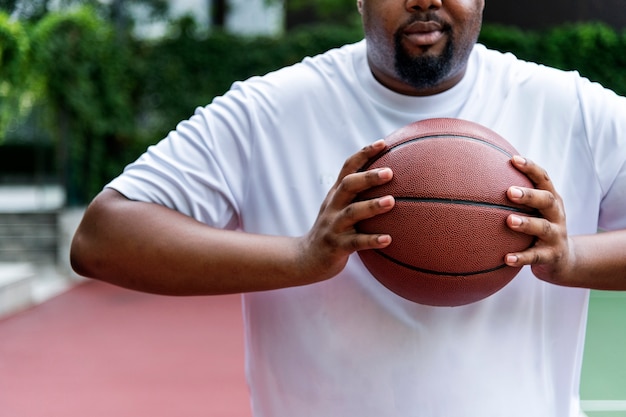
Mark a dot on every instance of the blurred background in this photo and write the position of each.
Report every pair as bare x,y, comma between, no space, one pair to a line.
87,85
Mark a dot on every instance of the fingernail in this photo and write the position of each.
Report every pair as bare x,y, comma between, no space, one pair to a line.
519,160
384,239
511,259
516,220
516,192
385,173
386,201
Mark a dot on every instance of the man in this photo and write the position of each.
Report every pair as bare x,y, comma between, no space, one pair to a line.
230,202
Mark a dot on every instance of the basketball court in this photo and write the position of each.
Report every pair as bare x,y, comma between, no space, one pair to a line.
603,388
101,351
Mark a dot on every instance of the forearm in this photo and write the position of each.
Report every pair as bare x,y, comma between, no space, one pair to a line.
600,261
151,248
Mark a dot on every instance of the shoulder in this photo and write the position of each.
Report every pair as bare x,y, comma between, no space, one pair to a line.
331,67
539,81
508,68
310,84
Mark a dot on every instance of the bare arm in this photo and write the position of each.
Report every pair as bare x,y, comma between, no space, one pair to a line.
595,261
151,248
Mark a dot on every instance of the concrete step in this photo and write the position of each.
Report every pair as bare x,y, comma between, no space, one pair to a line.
35,234
23,285
31,198
29,237
15,287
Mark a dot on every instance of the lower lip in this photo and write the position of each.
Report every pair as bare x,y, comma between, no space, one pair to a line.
424,38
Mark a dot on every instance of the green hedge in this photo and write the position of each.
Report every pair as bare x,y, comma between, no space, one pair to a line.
192,70
106,97
86,88
594,49
14,53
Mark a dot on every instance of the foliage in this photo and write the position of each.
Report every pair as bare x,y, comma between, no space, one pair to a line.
340,12
324,7
511,39
192,70
114,10
595,50
87,93
30,10
14,50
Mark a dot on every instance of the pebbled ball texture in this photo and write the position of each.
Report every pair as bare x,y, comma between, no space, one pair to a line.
448,228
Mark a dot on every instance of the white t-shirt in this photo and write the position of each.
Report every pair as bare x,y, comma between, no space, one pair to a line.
262,158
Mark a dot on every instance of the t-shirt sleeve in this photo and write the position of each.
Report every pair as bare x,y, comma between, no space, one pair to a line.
199,168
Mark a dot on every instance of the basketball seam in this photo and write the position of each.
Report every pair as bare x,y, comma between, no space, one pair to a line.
442,135
463,202
438,273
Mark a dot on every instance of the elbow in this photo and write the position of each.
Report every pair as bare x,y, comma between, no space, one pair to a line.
77,260
80,260
88,243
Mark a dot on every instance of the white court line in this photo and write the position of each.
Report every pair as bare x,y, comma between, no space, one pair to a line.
603,405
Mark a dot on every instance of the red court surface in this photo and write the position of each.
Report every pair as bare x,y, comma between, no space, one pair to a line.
102,351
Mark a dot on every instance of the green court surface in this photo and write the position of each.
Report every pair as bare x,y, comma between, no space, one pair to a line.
603,385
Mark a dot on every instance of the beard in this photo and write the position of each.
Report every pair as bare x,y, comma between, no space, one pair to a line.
423,71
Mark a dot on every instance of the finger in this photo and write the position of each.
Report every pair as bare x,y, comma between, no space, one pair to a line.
539,254
537,175
361,210
544,197
539,199
543,229
547,203
339,231
535,256
356,242
351,185
359,159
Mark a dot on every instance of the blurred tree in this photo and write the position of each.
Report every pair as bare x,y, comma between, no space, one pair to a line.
123,12
25,10
14,51
219,11
87,84
120,12
304,12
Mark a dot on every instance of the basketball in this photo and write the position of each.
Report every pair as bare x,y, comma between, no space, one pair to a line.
448,227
